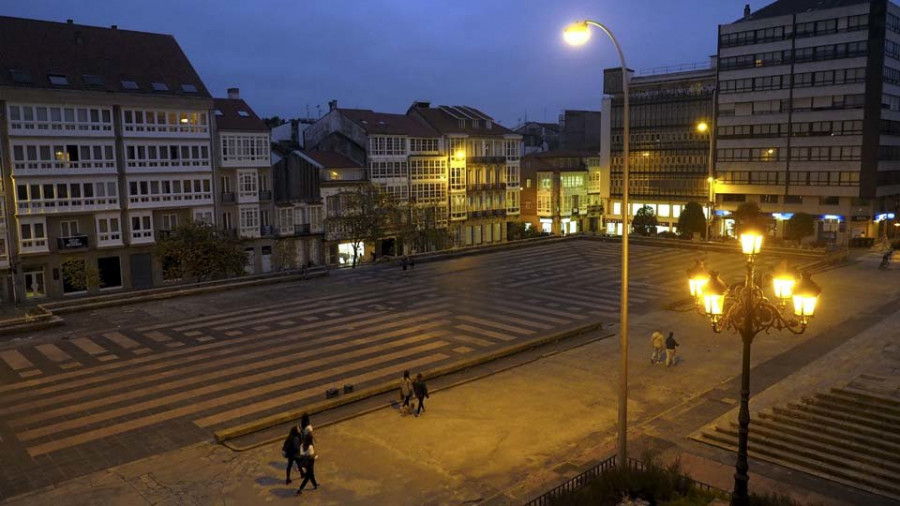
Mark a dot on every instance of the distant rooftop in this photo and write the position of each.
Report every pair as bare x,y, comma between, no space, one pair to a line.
787,7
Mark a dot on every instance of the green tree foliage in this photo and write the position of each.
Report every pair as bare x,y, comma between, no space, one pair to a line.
520,231
799,226
195,251
419,228
748,216
78,275
644,221
692,220
364,215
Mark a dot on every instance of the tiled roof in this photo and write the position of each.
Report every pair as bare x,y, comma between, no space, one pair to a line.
786,7
382,123
458,119
331,159
237,115
93,58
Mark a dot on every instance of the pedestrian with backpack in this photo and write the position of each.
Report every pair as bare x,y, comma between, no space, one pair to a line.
290,450
421,391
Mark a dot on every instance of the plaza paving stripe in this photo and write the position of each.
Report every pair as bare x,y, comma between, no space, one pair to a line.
72,424
555,277
491,323
128,365
290,400
137,423
486,333
471,340
122,340
16,360
221,369
93,349
519,320
53,353
405,318
530,314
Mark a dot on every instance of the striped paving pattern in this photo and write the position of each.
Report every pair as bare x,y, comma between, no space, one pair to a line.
74,406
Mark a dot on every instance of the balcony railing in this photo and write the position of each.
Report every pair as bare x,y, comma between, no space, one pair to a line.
228,197
72,242
487,159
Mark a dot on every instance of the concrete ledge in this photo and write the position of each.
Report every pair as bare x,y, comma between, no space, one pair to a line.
318,407
42,322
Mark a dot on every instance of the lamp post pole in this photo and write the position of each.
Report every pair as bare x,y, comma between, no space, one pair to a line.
740,496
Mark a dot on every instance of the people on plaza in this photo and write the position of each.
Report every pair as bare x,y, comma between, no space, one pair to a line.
658,342
291,451
406,392
421,391
308,457
671,344
403,264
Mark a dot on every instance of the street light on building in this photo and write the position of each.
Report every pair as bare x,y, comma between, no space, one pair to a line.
744,308
577,34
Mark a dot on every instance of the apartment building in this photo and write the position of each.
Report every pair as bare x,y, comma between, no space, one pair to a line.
299,211
244,179
809,114
106,144
555,192
483,167
669,157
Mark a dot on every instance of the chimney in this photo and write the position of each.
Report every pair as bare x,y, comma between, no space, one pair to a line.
69,22
332,105
115,27
234,93
421,104
746,10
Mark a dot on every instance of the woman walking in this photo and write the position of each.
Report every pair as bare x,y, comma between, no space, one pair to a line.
406,392
421,391
308,454
305,427
291,451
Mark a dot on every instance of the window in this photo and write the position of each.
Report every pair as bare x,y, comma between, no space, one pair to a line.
129,85
68,228
32,235
159,86
247,185
793,199
141,227
768,199
20,76
93,80
108,230
829,201
249,221
423,145
240,149
244,114
155,121
382,145
58,80
227,222
169,222
188,88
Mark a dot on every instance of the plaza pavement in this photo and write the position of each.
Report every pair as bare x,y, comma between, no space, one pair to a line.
500,439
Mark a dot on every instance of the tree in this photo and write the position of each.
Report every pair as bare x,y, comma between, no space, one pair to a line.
748,216
286,254
363,215
521,230
78,275
644,221
799,226
274,121
692,220
195,250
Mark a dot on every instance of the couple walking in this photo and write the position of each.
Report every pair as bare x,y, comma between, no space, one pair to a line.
408,388
298,449
660,345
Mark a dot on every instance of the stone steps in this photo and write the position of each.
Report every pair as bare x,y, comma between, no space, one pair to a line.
845,435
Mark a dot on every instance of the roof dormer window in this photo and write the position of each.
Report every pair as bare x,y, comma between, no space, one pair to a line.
159,86
188,88
219,113
20,76
128,84
244,114
92,80
58,80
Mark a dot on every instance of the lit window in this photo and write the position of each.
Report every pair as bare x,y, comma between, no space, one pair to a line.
189,88
58,80
129,85
219,113
244,114
159,86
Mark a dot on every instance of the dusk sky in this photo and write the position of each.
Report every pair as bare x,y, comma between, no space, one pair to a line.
504,57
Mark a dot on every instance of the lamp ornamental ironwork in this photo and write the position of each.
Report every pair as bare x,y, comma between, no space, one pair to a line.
745,309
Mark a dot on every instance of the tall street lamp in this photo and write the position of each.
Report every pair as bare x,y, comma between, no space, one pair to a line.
577,34
704,127
744,308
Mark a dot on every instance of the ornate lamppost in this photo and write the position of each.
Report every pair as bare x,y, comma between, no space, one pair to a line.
744,308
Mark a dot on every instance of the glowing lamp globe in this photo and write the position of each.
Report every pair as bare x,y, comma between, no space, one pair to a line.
577,34
751,242
714,297
783,283
806,296
697,279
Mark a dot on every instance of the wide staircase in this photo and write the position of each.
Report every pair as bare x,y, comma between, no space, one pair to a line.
849,435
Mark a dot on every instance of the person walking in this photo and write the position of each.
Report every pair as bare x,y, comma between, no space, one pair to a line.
291,451
403,264
406,392
658,342
305,427
308,454
421,391
671,344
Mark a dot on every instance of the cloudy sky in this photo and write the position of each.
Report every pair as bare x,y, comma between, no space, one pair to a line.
505,57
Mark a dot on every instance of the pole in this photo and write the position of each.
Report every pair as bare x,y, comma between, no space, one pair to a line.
711,179
622,453
740,496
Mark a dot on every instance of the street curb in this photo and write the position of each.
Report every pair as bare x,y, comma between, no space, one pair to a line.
317,407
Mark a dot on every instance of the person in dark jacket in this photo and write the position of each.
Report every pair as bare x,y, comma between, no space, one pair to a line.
291,451
421,391
671,344
308,454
